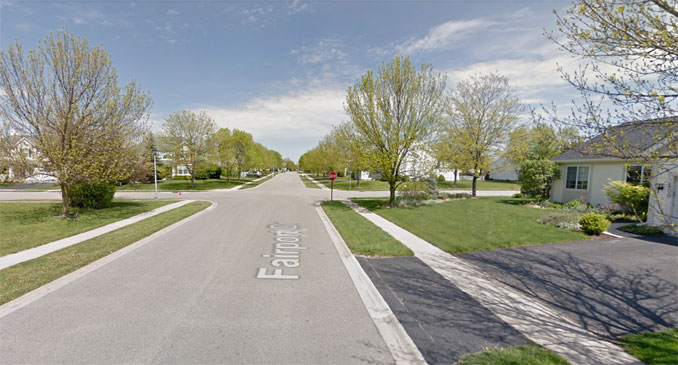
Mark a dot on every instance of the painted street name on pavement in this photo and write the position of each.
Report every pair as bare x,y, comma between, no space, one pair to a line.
286,252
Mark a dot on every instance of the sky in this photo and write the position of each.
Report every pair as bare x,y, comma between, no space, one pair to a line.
280,69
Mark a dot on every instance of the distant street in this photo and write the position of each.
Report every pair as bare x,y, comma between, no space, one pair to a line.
256,280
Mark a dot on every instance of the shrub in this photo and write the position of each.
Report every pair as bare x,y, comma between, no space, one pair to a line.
441,178
558,217
631,198
181,178
414,189
92,195
594,224
164,171
573,204
536,177
641,230
517,195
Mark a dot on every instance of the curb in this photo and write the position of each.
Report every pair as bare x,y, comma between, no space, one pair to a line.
40,292
399,343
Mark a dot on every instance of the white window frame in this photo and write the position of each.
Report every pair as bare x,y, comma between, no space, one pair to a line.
588,177
642,172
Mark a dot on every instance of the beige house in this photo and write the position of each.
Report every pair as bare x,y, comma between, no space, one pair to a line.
584,174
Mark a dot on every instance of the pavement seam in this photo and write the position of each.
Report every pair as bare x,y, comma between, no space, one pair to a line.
40,292
47,248
400,345
535,320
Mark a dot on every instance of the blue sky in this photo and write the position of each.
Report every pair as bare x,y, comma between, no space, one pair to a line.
280,69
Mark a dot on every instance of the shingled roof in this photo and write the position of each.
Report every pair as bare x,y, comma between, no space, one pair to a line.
626,141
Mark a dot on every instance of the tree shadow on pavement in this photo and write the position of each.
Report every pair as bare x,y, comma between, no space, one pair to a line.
444,322
604,300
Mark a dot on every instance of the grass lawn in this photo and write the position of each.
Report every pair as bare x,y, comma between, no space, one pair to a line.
308,182
342,183
475,224
361,235
481,185
257,183
185,185
22,278
27,224
526,354
653,347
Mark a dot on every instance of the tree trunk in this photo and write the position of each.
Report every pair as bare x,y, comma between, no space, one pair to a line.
475,182
229,171
192,180
392,193
456,172
357,177
65,199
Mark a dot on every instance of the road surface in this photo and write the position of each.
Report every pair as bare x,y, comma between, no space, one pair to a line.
255,280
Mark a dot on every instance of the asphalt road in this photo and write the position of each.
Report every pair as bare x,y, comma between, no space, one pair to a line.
193,296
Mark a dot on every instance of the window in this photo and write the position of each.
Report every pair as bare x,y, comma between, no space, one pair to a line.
577,177
638,174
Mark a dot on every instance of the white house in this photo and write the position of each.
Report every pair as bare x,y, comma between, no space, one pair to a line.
503,169
26,149
584,174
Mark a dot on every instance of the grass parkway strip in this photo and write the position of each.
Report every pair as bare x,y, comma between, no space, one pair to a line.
20,279
537,322
35,252
30,224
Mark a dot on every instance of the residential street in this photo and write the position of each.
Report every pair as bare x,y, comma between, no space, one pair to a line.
192,296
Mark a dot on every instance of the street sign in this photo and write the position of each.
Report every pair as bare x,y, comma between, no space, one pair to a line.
332,175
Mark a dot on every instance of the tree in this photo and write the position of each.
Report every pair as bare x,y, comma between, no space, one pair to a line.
64,97
243,147
632,48
188,135
536,178
224,150
289,164
482,111
393,110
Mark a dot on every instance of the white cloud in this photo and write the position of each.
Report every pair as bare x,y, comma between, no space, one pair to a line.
444,35
172,12
309,112
326,50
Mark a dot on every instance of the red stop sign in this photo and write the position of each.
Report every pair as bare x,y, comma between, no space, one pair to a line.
332,175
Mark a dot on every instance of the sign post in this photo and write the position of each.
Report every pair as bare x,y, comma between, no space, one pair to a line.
332,176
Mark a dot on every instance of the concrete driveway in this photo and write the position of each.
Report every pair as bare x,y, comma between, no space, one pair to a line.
197,294
610,286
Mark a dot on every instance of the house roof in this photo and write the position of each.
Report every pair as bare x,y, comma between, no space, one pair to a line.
631,140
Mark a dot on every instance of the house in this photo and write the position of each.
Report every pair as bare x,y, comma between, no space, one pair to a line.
503,169
25,166
586,169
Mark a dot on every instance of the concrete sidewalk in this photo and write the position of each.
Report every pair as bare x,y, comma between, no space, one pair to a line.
537,322
35,252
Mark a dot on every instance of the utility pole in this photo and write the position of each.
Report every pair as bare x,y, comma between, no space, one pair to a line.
155,175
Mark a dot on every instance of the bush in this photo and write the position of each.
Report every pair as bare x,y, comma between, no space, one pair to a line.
164,171
181,178
414,189
594,224
641,230
441,178
631,198
456,196
536,177
517,195
558,218
92,195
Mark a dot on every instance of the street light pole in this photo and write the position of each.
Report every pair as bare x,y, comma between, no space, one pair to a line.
155,175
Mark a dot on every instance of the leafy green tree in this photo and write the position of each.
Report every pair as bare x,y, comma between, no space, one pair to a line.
188,136
64,96
536,178
632,49
482,111
632,198
243,147
392,111
289,164
224,150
